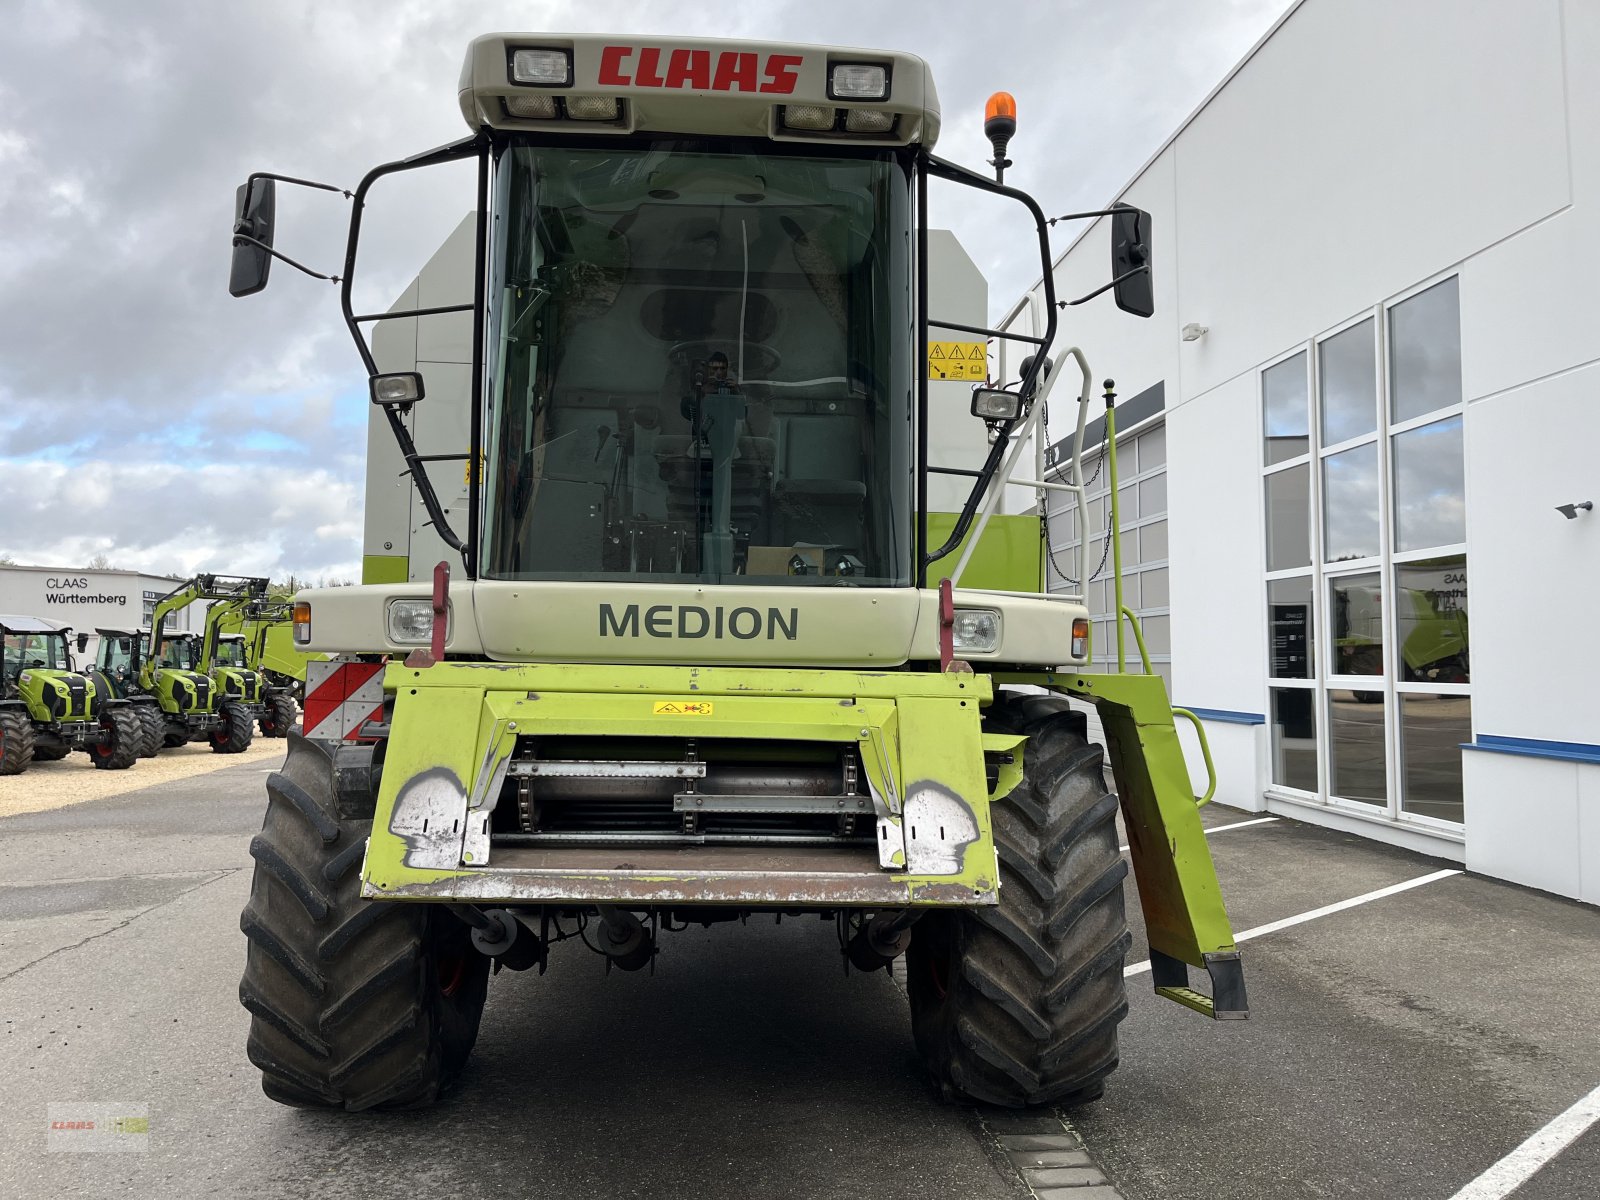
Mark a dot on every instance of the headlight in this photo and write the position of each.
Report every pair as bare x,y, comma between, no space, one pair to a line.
411,622
541,67
976,630
858,81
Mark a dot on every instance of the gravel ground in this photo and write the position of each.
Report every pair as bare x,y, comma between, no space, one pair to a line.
73,779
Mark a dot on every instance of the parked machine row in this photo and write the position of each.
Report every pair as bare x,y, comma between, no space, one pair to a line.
150,689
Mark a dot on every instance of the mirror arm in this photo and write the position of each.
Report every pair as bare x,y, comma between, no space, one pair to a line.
246,239
1104,288
1084,216
310,183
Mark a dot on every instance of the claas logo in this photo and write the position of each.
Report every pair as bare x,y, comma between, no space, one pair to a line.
699,70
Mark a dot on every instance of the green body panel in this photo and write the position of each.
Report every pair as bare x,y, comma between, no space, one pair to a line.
38,685
385,568
454,726
1009,557
163,685
236,683
1178,888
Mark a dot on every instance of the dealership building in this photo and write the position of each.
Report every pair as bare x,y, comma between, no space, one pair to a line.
84,599
1367,408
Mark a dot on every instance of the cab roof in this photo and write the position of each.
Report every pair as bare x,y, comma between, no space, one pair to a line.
13,623
717,87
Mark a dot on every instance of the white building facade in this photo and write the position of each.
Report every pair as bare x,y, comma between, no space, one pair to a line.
1340,496
84,599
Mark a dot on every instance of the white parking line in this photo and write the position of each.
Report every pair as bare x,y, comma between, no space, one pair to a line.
1235,825
1516,1168
1139,968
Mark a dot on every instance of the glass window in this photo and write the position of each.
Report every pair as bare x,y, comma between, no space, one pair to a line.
1153,496
1153,542
1430,502
1285,410
1153,587
687,390
1432,732
1153,449
1349,384
1355,624
1356,753
1430,618
1289,627
1157,634
1425,351
1289,518
1350,504
1294,738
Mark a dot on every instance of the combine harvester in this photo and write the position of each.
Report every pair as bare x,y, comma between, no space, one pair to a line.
729,619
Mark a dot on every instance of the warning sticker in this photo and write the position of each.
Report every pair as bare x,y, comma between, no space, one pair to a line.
682,708
958,360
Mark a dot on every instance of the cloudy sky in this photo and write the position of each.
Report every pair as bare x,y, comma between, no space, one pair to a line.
146,416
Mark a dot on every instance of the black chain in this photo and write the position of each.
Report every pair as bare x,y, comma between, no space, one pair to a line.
1083,516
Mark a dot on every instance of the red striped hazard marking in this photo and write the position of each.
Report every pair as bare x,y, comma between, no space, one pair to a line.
341,698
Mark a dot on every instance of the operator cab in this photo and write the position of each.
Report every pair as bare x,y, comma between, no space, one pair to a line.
28,643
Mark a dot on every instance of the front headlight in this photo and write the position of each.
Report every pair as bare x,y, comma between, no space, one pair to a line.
411,622
976,630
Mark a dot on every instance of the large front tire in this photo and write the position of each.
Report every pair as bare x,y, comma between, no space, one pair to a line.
1019,1004
155,729
16,742
122,738
277,719
354,1004
238,728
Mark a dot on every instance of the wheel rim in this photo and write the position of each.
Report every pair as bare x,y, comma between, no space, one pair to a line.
452,971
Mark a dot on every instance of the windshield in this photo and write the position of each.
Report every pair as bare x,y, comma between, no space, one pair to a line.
179,652
701,366
230,653
23,651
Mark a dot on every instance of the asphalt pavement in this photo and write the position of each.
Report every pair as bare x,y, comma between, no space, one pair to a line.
1395,1049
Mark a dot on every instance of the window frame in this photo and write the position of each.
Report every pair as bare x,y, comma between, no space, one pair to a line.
1385,565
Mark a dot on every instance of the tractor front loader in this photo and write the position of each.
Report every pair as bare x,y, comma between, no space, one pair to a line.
48,710
730,621
229,660
259,636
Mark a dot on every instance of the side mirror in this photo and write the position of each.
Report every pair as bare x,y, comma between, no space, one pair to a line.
1130,250
993,404
83,642
252,218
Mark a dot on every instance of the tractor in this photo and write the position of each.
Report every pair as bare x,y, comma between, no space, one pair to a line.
230,659
48,710
166,667
261,641
727,620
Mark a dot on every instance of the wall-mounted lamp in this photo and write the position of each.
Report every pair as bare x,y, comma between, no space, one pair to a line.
1571,511
1193,332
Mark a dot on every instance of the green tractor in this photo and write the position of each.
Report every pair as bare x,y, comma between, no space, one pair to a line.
731,622
48,710
262,644
170,670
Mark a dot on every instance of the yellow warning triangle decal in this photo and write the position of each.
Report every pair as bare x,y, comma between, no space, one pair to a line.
976,351
937,351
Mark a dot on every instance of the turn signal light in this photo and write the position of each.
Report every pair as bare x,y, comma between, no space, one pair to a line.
302,622
1080,638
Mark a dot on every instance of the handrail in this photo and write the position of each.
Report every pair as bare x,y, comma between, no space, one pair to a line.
1205,753
1138,637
